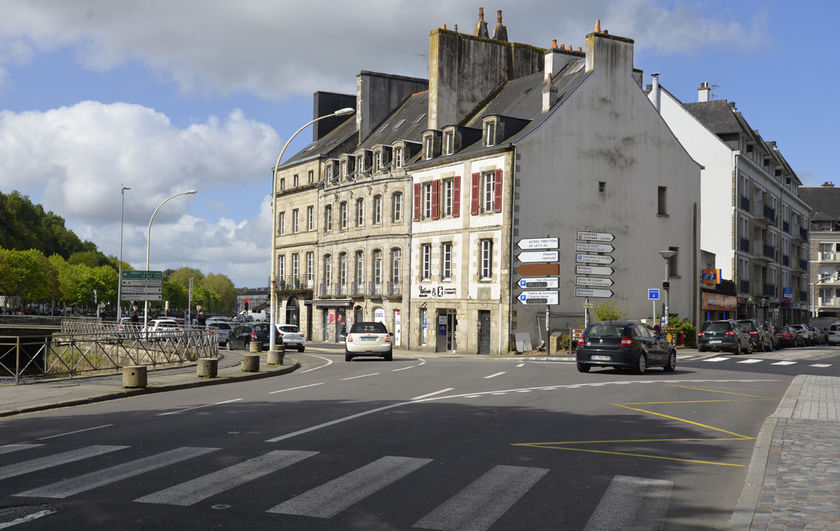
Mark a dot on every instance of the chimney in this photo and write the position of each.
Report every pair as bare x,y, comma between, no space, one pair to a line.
499,32
655,92
609,53
703,92
555,59
828,184
481,26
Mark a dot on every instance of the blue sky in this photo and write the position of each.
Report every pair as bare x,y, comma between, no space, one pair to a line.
168,96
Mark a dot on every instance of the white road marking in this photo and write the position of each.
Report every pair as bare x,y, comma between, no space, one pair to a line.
74,432
201,488
632,503
784,363
328,362
28,518
198,407
294,388
821,365
337,495
520,365
41,463
106,476
403,368
750,361
484,500
494,375
421,397
9,448
422,362
715,360
360,376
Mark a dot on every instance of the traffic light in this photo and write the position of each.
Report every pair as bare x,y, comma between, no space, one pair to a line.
666,284
246,305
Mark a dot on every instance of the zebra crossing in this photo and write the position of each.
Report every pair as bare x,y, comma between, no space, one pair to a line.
477,506
749,361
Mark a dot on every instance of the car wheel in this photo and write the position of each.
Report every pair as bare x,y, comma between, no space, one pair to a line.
737,348
301,348
750,348
641,364
582,367
672,362
701,349
347,356
389,356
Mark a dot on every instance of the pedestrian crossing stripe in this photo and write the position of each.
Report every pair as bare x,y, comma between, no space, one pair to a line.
33,465
632,503
715,360
784,363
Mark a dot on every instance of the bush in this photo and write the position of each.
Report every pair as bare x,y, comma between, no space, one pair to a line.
607,311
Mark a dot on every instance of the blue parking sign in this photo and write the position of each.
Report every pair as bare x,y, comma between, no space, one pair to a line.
653,294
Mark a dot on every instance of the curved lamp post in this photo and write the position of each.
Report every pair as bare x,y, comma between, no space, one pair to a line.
148,244
273,305
119,278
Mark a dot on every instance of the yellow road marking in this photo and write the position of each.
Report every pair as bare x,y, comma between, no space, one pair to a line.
692,401
632,455
682,420
686,439
718,391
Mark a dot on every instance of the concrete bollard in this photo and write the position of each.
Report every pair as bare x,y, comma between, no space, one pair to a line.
208,367
134,376
250,363
255,346
275,357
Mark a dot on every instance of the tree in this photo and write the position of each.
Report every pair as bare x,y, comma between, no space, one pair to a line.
182,276
23,276
224,288
175,294
608,311
27,226
90,259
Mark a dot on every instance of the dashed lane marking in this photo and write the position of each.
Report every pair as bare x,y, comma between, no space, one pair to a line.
74,432
715,360
360,376
784,363
750,361
494,375
294,388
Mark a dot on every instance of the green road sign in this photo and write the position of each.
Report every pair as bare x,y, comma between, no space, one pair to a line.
151,275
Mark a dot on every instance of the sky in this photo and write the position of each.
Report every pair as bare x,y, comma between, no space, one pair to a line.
168,96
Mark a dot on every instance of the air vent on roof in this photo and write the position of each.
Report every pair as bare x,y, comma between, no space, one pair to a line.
417,120
381,129
398,124
310,148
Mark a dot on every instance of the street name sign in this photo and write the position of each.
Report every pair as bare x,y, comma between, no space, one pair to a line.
595,236
653,294
538,256
538,243
594,247
538,269
539,282
593,270
593,292
594,258
148,275
538,297
594,281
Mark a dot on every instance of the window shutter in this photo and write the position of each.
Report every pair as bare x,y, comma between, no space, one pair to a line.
456,197
436,199
476,184
417,202
497,200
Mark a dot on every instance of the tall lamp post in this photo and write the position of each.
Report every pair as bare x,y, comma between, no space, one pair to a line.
119,278
667,255
148,245
273,305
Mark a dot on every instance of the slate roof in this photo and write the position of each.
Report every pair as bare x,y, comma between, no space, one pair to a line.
824,200
406,123
719,117
329,145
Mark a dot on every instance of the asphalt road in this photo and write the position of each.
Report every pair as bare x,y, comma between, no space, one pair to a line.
465,443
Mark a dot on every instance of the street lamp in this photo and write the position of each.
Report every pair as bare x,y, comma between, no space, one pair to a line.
273,306
123,188
148,243
667,255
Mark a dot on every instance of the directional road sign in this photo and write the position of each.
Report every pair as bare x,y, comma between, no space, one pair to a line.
594,281
653,294
538,269
595,236
594,258
538,297
151,275
538,243
593,292
537,256
538,282
593,270
594,247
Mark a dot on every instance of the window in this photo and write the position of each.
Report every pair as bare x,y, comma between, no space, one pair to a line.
488,191
328,218
295,267
377,209
427,200
342,269
377,267
310,176
281,266
426,270
486,194
662,201
295,180
344,168
295,220
360,212
396,206
396,258
329,171
327,270
749,148
448,196
446,261
427,148
310,218
282,184
360,268
360,164
342,215
602,187
281,223
672,263
490,134
377,161
310,268
448,143
398,157
486,259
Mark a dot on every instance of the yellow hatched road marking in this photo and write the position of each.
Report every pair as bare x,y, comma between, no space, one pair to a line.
698,461
719,391
683,420
685,439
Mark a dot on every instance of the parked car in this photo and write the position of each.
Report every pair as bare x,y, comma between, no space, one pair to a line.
820,336
160,329
368,338
805,332
760,338
770,328
834,334
291,336
723,335
788,337
221,330
245,333
625,345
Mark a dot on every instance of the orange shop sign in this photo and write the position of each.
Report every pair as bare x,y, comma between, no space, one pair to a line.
717,302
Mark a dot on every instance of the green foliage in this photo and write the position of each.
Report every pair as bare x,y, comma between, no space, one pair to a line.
91,259
608,311
677,324
182,276
223,287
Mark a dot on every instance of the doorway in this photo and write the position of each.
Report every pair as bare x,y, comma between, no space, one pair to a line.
340,325
484,331
447,323
292,312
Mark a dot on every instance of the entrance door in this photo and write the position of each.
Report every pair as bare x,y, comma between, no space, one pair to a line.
326,323
446,324
484,331
358,314
340,324
292,311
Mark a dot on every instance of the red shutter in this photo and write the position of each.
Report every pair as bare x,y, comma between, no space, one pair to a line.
417,202
456,197
436,199
476,185
497,201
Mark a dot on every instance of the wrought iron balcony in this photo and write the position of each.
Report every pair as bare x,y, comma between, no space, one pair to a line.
745,245
769,290
770,213
357,289
745,203
769,251
394,289
374,289
745,286
786,226
785,260
803,264
324,290
340,289
803,233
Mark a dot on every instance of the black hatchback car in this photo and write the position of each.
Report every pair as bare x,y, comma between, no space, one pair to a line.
626,345
723,335
244,333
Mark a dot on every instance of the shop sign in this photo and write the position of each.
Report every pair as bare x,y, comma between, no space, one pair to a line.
718,302
436,292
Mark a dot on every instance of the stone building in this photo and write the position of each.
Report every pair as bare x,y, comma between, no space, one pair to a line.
824,242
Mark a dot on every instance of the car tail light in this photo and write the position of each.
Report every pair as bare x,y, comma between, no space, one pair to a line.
753,332
387,338
626,341
701,334
253,335
730,333
349,339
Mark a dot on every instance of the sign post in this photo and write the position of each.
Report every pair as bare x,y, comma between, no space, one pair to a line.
653,296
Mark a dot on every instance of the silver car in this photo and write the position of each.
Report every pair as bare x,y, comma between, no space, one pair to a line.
368,339
222,331
291,336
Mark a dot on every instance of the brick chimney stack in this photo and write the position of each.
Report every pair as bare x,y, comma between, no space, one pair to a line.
481,26
499,32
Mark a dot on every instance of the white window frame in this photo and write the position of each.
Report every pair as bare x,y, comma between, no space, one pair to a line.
281,266
295,180
488,191
360,212
342,215
295,266
490,133
396,206
327,270
310,267
377,160
486,259
342,269
428,147
448,142
281,223
398,157
377,209
448,193
310,175
396,264
360,268
328,218
294,221
426,261
377,267
446,261
426,198
310,218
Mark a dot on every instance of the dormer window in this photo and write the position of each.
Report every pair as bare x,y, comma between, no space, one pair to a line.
749,148
428,148
377,161
490,133
329,171
448,143
398,157
360,163
344,168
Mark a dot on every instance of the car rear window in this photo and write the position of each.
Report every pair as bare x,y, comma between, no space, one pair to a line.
288,328
220,326
604,330
747,324
834,328
716,326
377,328
261,328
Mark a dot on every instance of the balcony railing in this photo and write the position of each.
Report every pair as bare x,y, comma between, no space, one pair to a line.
828,256
785,260
769,290
745,203
803,264
340,289
745,245
803,295
394,289
803,233
745,286
374,289
770,213
324,290
357,289
769,251
786,226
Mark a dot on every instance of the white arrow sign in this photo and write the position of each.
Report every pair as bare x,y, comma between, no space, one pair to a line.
594,258
538,282
538,297
594,281
593,270
595,236
594,247
537,256
538,243
589,292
